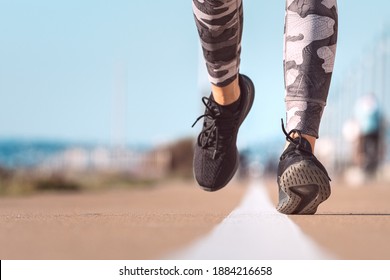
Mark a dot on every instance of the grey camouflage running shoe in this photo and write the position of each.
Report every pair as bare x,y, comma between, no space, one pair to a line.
216,156
303,181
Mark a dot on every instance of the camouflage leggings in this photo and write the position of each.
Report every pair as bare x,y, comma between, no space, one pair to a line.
309,52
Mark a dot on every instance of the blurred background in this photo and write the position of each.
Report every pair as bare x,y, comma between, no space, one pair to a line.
97,94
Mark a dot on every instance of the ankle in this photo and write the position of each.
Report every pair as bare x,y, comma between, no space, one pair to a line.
228,94
309,138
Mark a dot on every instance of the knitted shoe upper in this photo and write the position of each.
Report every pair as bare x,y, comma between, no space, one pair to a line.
216,155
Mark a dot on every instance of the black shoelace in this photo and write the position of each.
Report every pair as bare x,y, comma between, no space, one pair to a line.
297,143
218,128
296,148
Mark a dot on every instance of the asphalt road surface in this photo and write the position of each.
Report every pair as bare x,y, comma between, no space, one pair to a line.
178,220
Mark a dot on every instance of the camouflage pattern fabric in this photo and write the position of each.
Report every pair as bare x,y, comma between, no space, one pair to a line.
310,47
309,52
219,24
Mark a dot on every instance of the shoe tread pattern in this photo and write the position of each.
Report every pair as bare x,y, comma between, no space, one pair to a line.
294,180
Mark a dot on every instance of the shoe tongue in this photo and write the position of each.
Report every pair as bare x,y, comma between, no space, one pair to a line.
226,110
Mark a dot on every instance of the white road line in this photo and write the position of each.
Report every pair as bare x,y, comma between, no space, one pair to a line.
255,230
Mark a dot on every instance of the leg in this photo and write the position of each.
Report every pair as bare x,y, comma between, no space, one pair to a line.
310,46
219,24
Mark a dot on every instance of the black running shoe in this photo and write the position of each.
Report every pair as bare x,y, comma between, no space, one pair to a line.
302,179
216,156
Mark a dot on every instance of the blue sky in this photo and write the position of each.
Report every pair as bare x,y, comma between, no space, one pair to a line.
97,71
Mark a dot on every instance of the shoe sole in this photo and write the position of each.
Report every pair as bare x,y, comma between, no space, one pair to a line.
250,90
306,186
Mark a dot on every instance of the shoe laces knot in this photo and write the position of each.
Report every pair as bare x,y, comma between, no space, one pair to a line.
217,128
297,142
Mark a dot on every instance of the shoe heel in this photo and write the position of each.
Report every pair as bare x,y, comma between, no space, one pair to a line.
305,186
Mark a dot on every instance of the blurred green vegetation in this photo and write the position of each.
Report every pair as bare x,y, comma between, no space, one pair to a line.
29,181
181,158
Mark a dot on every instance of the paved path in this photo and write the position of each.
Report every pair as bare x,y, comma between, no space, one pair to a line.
161,221
112,224
255,230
